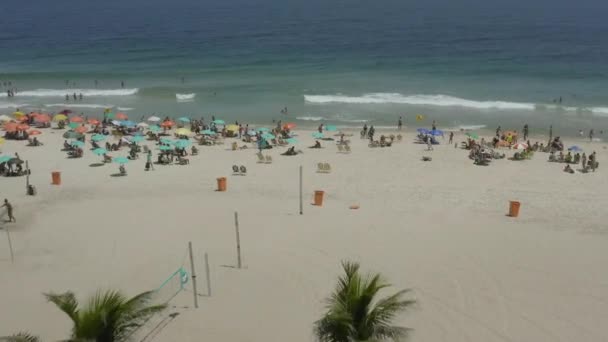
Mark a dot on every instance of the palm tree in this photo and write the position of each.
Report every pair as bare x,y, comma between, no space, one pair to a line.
354,315
108,316
19,337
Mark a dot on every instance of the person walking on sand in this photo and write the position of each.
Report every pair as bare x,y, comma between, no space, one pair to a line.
451,137
590,135
400,123
550,133
9,211
526,132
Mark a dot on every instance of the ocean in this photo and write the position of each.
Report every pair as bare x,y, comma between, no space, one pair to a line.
467,64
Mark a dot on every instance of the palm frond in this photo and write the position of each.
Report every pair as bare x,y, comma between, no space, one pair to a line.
20,337
66,302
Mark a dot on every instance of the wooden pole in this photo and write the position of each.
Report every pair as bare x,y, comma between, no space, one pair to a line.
238,239
193,274
10,244
27,176
208,275
301,201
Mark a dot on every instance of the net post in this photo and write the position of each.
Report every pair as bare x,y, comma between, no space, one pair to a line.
193,275
238,239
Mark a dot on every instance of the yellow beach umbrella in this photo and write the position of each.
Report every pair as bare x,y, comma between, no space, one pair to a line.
232,128
18,114
183,131
1,140
60,117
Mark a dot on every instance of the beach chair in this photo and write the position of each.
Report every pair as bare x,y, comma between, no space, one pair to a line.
268,159
183,161
107,159
123,171
243,170
327,167
340,149
260,157
235,170
347,149
320,168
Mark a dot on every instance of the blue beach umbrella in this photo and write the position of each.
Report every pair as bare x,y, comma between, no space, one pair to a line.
184,119
4,159
77,143
436,132
292,140
331,128
208,132
165,148
98,137
263,129
166,141
128,123
121,160
423,130
100,151
317,135
219,122
575,148
155,129
268,136
182,143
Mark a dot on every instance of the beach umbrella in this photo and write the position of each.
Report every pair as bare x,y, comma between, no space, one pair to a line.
137,139
72,135
268,136
575,148
165,148
34,132
121,116
121,160
127,123
4,159
10,126
23,127
331,128
183,119
5,118
182,143
100,151
18,114
219,122
183,131
292,140
208,132
77,143
109,115
22,118
42,118
94,122
232,128
98,137
263,129
422,130
154,128
78,119
472,135
143,125
73,125
1,140
166,141
115,122
60,117
436,132
154,119
289,125
167,124
137,133
520,146
317,135
80,129
251,132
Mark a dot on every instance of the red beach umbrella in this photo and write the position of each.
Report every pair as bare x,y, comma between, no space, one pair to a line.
81,129
42,118
121,116
23,127
167,124
94,122
34,132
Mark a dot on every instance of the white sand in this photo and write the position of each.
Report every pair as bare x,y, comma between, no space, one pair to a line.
437,227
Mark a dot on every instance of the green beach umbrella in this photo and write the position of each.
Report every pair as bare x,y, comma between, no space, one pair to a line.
219,122
292,140
268,136
121,160
4,159
263,129
77,143
165,148
98,137
155,128
472,136
182,143
166,141
73,125
184,119
72,135
137,138
331,128
100,151
317,135
208,132
110,115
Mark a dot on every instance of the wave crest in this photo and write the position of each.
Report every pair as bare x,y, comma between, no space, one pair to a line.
185,97
84,92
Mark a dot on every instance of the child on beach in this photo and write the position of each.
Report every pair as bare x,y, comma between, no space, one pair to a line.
9,210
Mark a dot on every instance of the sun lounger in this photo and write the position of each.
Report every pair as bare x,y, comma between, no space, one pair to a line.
235,170
347,149
340,149
268,159
260,157
323,168
183,161
107,159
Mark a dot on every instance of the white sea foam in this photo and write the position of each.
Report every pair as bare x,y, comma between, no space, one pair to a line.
84,92
12,105
124,109
185,97
431,100
310,118
78,105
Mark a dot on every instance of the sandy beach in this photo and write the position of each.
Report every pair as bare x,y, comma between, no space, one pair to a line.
439,228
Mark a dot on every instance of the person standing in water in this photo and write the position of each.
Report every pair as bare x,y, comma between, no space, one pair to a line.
526,132
591,135
122,84
400,123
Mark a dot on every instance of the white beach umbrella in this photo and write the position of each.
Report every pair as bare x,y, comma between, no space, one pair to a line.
143,124
5,118
154,119
520,146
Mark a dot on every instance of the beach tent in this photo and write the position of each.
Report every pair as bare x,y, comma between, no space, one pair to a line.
154,119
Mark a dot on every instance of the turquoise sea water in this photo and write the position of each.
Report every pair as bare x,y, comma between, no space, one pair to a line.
468,63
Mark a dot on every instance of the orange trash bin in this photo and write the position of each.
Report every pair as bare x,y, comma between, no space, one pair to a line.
56,177
221,184
514,208
319,197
